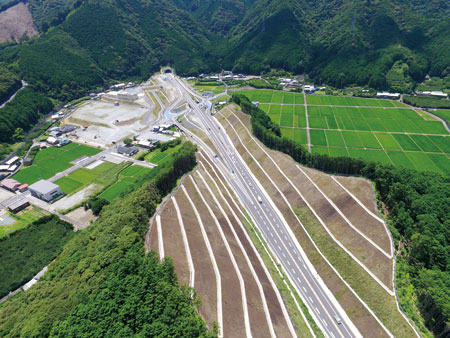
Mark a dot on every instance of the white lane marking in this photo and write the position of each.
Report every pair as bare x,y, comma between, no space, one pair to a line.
317,310
299,280
271,234
289,243
311,299
289,263
284,255
160,237
304,288
293,271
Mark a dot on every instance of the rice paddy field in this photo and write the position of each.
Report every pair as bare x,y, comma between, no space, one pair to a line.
105,174
50,161
445,114
125,179
376,130
157,157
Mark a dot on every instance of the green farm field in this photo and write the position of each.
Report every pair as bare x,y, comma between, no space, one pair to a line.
125,179
272,96
105,175
384,131
50,161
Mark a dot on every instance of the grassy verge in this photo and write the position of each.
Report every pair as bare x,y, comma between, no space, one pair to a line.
295,315
379,301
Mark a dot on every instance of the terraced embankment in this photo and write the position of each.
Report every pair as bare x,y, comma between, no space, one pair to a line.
236,288
342,235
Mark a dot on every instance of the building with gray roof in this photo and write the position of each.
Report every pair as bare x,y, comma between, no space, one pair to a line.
45,190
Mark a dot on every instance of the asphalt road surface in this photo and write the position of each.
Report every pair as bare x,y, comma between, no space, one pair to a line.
327,313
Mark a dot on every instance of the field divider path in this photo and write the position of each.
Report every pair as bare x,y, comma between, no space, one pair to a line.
233,260
324,288
186,244
342,214
315,245
213,262
244,253
307,203
160,237
379,219
308,134
267,273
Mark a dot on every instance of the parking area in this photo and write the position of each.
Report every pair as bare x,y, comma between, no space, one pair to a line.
104,122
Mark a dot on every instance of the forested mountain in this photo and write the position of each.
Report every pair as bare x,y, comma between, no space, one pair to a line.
381,43
218,16
386,44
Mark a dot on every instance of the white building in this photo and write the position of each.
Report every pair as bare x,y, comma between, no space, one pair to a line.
45,190
434,93
388,95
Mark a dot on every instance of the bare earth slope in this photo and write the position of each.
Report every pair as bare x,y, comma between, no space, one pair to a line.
15,22
211,252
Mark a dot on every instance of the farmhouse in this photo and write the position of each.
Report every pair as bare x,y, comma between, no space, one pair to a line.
309,89
128,151
145,144
45,190
52,140
11,184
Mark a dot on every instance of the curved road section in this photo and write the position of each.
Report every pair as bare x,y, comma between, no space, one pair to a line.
322,305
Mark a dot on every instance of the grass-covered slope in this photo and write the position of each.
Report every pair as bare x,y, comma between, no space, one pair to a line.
103,284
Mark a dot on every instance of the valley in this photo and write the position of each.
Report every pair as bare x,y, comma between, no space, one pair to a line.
233,168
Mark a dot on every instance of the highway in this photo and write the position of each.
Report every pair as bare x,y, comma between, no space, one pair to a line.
321,303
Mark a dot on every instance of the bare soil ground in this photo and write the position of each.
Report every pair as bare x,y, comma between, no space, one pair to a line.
15,22
278,320
205,280
257,317
83,216
366,223
383,304
233,316
362,189
173,242
204,284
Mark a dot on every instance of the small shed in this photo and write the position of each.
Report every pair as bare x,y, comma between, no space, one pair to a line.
27,161
18,205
